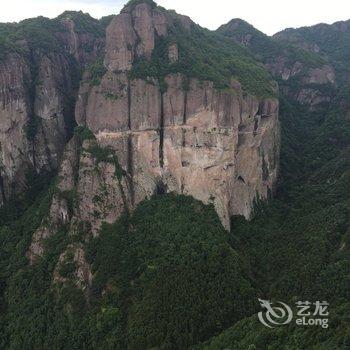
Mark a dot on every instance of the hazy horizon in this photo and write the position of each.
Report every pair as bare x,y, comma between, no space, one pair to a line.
269,17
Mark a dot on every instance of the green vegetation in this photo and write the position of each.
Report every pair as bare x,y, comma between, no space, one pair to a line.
168,275
20,202
252,335
18,220
133,3
139,263
97,71
110,96
30,308
31,129
84,133
40,33
84,23
150,260
107,155
207,56
332,42
106,20
265,48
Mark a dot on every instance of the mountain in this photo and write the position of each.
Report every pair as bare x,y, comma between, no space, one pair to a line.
140,99
158,105
41,63
302,75
328,40
157,178
298,243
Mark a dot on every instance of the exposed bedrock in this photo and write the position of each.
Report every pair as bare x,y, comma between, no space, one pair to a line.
219,147
37,99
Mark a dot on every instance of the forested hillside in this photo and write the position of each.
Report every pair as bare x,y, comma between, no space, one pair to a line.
123,258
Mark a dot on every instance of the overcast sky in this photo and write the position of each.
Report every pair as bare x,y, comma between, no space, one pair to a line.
269,16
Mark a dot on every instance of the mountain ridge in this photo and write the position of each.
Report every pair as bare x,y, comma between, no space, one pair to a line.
188,174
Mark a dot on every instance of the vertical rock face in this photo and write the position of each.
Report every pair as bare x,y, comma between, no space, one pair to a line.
37,97
84,47
121,39
219,147
13,118
110,99
35,109
155,135
132,34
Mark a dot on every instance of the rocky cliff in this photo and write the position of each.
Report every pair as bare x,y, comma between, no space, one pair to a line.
39,77
169,132
304,76
218,147
330,41
121,115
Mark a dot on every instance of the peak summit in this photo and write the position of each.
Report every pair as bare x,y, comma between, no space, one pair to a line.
133,3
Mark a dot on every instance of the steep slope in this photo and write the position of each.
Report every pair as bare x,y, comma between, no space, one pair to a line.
146,132
167,107
155,68
157,117
298,245
302,75
40,64
100,256
330,41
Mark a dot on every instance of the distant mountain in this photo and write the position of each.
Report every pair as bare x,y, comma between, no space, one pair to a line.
157,179
301,74
330,41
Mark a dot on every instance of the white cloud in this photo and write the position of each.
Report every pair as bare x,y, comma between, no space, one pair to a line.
269,16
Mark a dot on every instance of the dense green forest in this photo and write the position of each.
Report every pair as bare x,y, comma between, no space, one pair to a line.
264,47
298,244
331,41
41,33
205,55
168,276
